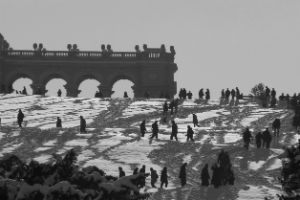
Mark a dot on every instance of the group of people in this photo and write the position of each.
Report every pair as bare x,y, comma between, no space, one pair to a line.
222,173
155,129
201,94
235,95
262,139
21,116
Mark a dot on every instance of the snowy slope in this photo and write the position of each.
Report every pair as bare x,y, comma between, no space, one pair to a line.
113,140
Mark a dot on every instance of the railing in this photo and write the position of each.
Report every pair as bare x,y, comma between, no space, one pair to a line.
89,55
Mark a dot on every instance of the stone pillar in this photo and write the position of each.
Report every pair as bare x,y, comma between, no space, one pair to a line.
72,90
105,90
38,88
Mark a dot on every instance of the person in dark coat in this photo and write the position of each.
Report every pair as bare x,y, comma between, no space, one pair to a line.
121,172
195,120
267,138
258,139
232,94
276,126
273,93
182,174
189,95
174,131
201,93
207,94
154,130
82,125
171,106
154,177
230,177
143,181
143,128
165,107
190,133
20,118
237,93
135,171
24,91
164,177
59,93
205,176
227,94
296,122
125,95
247,137
58,123
216,176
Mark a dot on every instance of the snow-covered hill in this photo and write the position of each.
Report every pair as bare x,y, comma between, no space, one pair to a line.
113,140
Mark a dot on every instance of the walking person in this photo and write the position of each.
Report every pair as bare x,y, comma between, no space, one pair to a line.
258,139
276,126
195,120
121,172
190,133
59,93
58,123
154,177
267,138
205,176
82,125
207,95
143,128
174,131
154,130
201,93
20,118
247,137
164,177
182,174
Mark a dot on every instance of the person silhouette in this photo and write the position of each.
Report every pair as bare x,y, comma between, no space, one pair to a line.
58,123
20,118
82,125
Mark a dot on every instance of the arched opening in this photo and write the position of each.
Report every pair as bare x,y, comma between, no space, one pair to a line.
120,87
88,88
21,83
54,85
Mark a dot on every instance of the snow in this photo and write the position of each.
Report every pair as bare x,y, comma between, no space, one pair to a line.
2,135
42,112
276,164
256,192
143,107
77,142
43,158
9,148
187,159
255,165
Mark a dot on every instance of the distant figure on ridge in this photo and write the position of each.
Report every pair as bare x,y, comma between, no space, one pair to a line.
125,95
190,95
59,93
20,118
201,93
24,91
82,125
207,95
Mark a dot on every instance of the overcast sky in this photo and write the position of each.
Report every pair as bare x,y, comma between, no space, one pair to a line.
219,43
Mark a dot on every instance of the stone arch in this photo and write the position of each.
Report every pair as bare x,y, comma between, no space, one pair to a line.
84,77
15,76
82,80
46,78
119,77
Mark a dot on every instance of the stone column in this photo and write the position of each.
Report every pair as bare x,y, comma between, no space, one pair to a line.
105,90
72,90
38,88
